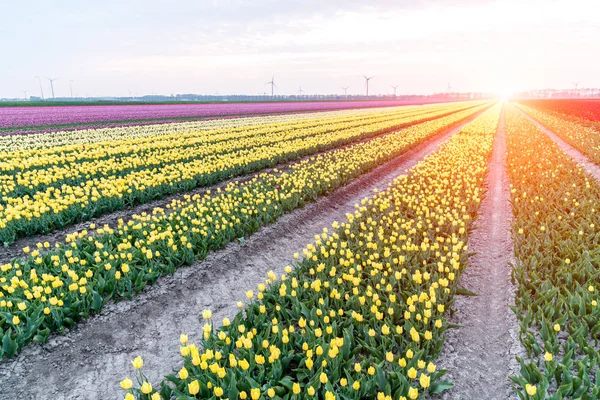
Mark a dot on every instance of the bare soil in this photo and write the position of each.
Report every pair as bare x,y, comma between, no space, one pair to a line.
89,361
480,355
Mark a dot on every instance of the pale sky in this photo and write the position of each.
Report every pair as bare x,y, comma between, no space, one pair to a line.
109,47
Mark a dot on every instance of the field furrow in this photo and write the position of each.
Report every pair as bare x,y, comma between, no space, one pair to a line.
480,353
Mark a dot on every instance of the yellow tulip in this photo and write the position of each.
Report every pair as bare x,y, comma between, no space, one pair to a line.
193,387
126,384
183,339
146,388
137,362
531,389
183,373
413,393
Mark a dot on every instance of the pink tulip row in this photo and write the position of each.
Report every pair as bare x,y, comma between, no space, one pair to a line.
55,116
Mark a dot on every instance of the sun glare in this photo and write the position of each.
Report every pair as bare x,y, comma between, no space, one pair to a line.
504,93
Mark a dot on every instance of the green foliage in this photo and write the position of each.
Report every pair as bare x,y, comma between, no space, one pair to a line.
556,215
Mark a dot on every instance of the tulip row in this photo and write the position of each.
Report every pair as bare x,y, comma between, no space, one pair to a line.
583,109
49,289
584,139
575,118
25,144
58,167
362,315
92,144
105,133
555,206
29,173
15,117
59,207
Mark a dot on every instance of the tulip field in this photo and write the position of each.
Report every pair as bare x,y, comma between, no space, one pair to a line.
554,205
588,109
30,119
47,189
111,236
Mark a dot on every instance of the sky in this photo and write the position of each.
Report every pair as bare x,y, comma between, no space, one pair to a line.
117,47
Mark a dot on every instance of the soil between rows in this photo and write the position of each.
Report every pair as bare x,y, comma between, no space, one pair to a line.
480,356
89,361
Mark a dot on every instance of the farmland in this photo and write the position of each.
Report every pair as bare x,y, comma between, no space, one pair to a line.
588,109
27,119
326,250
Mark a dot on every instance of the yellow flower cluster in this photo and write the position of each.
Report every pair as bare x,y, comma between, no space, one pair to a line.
67,188
362,314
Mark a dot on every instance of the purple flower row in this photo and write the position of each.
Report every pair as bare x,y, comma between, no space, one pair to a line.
15,117
102,125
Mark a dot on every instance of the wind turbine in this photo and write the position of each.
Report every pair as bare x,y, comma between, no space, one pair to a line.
449,88
25,92
300,91
576,84
71,87
52,85
345,90
367,79
272,83
41,89
394,87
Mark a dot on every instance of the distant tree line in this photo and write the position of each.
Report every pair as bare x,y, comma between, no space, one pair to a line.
559,93
198,98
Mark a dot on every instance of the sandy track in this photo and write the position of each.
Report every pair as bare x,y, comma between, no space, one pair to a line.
575,154
481,355
89,361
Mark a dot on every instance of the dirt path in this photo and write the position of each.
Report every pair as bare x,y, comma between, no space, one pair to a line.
575,154
89,361
481,355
